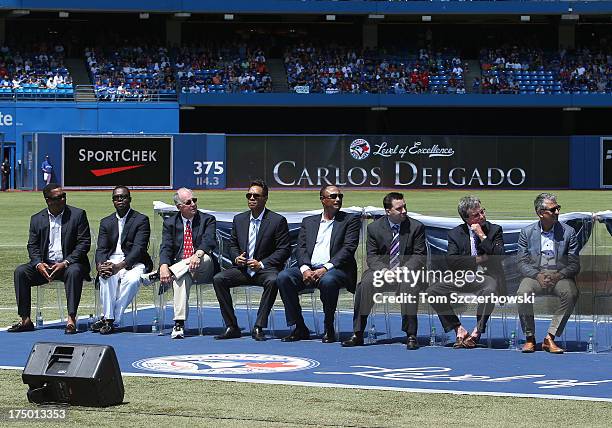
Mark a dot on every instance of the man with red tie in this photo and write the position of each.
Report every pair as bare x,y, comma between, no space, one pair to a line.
187,235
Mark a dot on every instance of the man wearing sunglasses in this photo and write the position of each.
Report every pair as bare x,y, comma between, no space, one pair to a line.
121,258
58,245
548,258
187,235
394,241
326,258
259,247
475,246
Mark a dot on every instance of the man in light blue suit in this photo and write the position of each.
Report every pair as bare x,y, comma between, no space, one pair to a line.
548,258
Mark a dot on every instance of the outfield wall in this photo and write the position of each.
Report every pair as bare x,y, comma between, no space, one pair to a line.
218,161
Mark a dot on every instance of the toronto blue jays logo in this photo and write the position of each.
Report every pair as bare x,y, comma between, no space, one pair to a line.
225,364
359,149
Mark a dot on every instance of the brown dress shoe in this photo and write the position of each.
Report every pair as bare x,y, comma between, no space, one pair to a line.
530,345
549,345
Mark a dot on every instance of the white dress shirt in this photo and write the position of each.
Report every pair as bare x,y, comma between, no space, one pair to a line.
55,237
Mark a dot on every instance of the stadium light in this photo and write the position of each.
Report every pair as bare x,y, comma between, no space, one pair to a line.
330,17
182,15
64,14
228,16
525,18
144,15
426,18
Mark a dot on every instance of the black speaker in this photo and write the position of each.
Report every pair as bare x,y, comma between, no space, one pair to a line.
81,375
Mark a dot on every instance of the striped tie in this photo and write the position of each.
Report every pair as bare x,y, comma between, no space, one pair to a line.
252,238
395,247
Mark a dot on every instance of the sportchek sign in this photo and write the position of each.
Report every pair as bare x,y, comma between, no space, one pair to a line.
107,161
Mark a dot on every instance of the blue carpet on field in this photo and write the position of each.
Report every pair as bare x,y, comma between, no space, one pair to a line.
386,365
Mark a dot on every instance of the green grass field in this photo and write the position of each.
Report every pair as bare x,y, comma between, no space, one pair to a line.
205,403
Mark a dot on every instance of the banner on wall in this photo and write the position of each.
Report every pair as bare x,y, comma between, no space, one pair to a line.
606,163
399,161
103,161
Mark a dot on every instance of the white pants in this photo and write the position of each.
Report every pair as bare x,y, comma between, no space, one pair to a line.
118,291
47,177
183,284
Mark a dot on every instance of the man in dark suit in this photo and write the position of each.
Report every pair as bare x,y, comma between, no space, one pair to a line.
121,258
475,248
394,241
58,245
188,235
548,258
326,258
259,248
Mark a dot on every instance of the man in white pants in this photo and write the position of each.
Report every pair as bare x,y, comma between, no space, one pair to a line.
121,258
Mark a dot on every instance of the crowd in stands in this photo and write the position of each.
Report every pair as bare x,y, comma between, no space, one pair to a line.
229,68
34,70
131,73
514,70
335,69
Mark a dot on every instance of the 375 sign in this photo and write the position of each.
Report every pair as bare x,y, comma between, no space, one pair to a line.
208,173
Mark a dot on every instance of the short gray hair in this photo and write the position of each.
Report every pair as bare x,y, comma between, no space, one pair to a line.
541,198
467,203
177,198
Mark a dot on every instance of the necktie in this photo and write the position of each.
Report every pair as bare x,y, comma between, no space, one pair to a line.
395,247
474,250
187,241
252,239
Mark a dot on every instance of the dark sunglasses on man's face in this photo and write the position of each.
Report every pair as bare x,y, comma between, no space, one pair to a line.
190,201
552,210
253,195
56,198
333,196
120,197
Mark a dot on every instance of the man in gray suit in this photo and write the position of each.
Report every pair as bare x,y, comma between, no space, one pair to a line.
548,258
394,241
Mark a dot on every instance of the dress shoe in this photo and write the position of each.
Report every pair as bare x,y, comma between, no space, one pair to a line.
412,344
299,333
107,328
258,333
530,345
95,327
471,341
232,332
21,326
149,278
355,340
549,345
329,336
70,329
459,343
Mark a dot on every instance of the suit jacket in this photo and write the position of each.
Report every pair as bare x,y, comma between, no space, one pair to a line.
76,237
413,251
272,246
343,243
203,232
459,254
566,250
134,239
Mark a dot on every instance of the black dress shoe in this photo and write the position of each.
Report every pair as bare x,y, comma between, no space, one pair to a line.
70,329
20,326
258,333
329,336
412,344
232,332
299,333
355,340
95,327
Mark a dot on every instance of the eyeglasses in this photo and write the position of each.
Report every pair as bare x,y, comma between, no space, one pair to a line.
120,197
190,201
333,196
56,198
552,210
253,195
